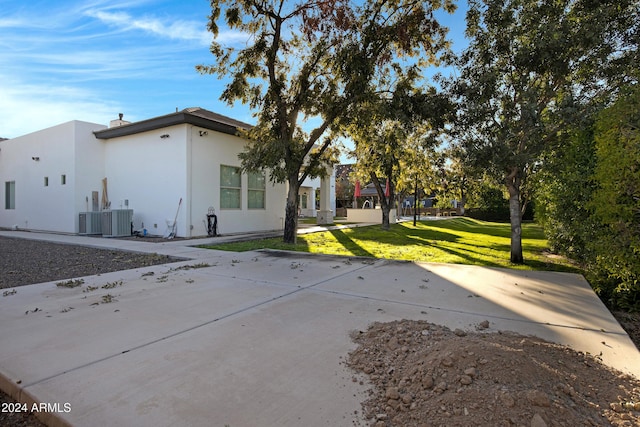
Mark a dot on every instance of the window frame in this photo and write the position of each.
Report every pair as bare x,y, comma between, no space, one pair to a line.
256,190
230,189
10,195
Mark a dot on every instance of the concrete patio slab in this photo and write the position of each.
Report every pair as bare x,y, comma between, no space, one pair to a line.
259,339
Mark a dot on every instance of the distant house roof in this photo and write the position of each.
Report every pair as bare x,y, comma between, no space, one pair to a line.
370,189
195,116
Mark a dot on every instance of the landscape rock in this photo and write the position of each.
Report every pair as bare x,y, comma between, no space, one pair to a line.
483,325
466,380
538,421
538,398
392,393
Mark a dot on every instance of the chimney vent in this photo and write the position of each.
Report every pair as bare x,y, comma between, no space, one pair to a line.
118,122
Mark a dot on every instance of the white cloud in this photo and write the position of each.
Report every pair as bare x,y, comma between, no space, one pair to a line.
179,29
26,108
12,22
90,60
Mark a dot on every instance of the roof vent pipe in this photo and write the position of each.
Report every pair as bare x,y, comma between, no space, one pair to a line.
118,122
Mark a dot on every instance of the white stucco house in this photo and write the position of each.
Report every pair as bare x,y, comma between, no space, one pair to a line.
54,177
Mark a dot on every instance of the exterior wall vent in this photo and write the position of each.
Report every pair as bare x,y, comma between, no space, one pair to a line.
117,222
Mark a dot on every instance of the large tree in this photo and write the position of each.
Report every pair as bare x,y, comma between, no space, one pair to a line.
314,59
395,138
529,69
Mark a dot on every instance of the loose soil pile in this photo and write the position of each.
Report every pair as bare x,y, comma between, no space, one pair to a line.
421,374
427,375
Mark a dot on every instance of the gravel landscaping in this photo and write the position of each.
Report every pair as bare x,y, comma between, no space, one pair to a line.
25,262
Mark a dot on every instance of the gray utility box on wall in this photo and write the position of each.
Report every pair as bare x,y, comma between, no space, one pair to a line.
117,222
90,223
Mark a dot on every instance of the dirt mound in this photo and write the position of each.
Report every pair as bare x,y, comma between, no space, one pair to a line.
427,375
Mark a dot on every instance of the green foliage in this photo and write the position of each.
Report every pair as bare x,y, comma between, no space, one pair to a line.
488,196
616,201
588,200
486,201
530,71
565,187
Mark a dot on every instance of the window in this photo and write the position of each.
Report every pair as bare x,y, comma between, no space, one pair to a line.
46,181
304,201
230,187
63,179
10,195
256,193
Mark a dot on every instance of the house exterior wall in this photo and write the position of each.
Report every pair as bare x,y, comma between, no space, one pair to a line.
152,174
207,154
88,168
52,207
147,173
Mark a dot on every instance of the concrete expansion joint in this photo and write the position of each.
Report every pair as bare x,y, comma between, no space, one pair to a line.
172,335
470,313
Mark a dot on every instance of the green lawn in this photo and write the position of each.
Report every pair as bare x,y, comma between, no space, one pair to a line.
458,241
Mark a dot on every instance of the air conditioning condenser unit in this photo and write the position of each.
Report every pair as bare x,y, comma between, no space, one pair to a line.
117,222
90,223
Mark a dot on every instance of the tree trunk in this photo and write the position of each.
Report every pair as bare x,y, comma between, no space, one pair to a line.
512,181
385,202
291,213
385,216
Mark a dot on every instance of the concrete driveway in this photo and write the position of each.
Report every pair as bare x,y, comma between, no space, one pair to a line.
258,338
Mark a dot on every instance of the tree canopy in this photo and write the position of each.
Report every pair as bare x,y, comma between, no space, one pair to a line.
320,59
393,137
532,67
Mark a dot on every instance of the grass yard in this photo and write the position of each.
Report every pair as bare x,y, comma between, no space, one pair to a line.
456,240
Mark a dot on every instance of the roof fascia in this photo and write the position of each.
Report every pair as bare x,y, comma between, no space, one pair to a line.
164,122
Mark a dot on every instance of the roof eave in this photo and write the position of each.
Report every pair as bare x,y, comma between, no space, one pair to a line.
164,122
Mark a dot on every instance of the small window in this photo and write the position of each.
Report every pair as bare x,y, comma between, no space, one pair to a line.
230,187
63,179
256,190
46,181
10,195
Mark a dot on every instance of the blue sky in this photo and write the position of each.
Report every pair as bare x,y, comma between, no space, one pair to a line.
90,60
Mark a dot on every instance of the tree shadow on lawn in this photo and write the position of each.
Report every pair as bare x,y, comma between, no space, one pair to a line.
471,253
350,245
530,230
466,255
399,235
466,225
